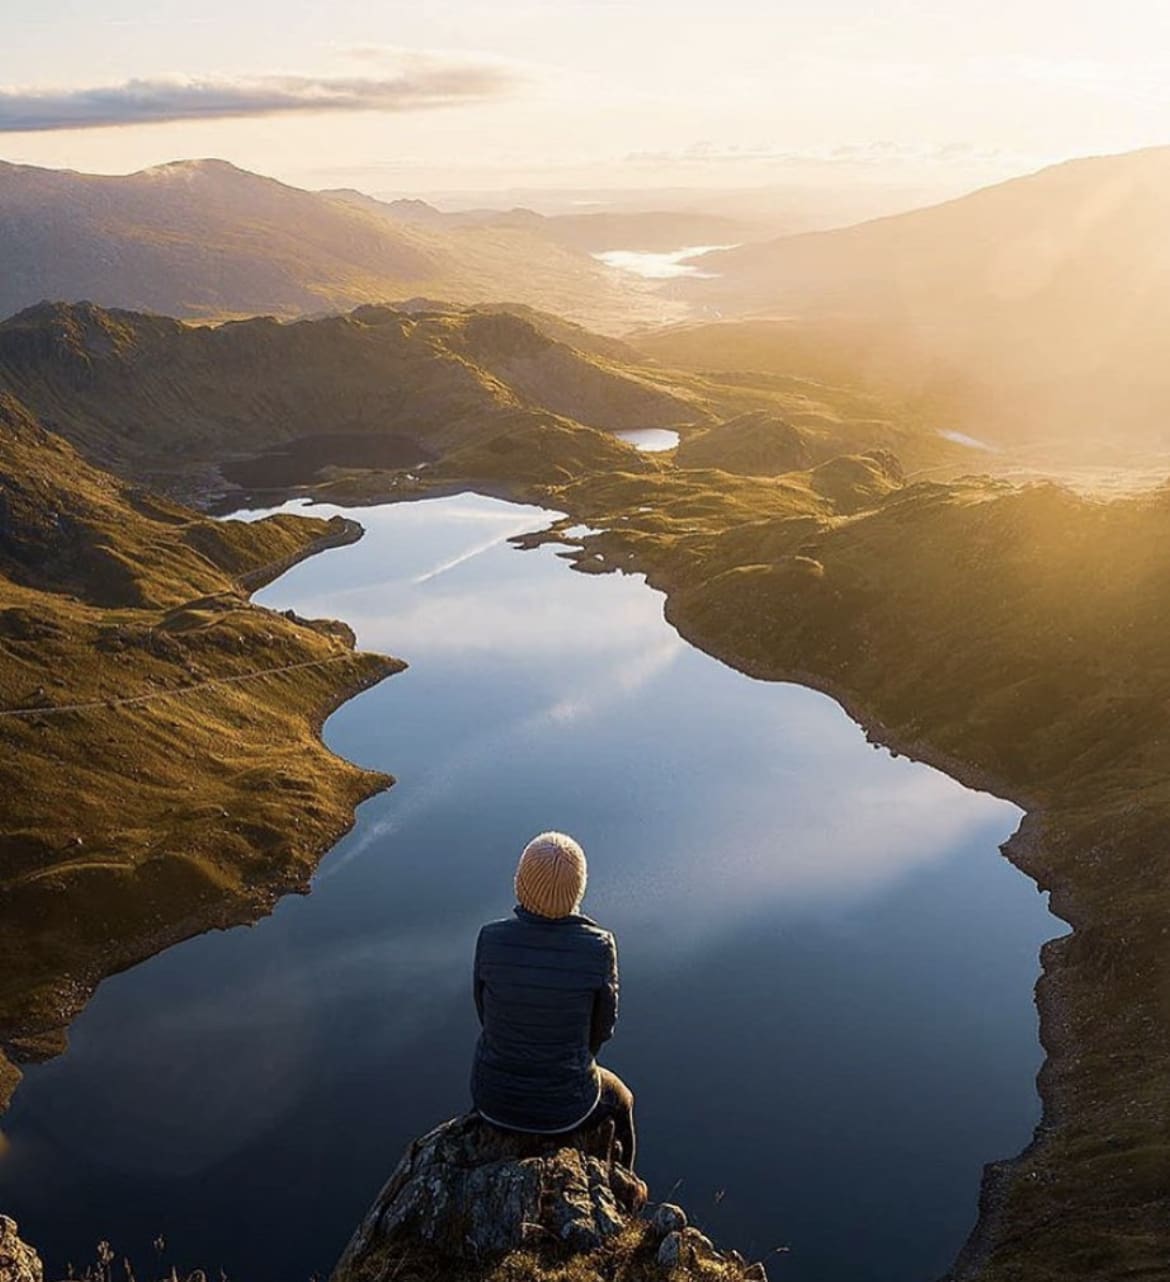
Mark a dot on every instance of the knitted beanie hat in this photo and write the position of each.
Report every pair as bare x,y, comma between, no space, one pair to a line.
550,877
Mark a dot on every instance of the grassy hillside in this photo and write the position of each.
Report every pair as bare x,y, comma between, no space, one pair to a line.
159,760
149,394
1015,637
1033,308
174,404
201,238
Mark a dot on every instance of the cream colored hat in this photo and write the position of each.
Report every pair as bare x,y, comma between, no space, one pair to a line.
550,877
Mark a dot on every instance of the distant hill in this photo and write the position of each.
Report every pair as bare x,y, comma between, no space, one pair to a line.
202,238
752,444
1037,307
650,230
149,395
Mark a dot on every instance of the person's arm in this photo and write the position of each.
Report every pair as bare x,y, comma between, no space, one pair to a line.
477,980
605,1003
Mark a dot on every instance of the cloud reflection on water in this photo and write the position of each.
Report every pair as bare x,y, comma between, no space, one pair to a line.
763,867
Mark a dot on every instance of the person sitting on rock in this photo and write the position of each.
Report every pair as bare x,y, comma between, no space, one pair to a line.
546,990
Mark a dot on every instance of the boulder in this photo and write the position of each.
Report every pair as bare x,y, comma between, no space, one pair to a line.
18,1261
469,1192
466,1197
686,1247
665,1218
670,1253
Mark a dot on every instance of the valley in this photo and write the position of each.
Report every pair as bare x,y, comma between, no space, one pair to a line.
1029,312
853,493
207,240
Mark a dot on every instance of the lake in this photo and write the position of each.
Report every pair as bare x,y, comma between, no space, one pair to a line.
653,440
661,265
827,966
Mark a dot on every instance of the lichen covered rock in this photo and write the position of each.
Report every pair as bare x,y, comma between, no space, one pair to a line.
466,1199
684,1247
472,1192
665,1218
18,1261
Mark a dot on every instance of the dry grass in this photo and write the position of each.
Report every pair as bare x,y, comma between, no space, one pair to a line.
631,1256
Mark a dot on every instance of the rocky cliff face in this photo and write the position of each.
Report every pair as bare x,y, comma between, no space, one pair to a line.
469,1202
18,1261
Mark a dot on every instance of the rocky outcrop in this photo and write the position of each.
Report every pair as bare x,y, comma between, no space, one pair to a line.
18,1261
753,444
854,482
466,1195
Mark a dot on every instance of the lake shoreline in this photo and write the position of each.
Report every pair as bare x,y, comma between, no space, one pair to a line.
1024,849
44,1035
373,588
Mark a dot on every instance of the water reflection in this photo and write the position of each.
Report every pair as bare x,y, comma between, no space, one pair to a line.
827,970
651,439
657,265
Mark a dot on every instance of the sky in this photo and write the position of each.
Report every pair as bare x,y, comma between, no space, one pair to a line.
450,95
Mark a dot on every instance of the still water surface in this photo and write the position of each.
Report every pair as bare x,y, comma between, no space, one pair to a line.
658,265
827,967
651,439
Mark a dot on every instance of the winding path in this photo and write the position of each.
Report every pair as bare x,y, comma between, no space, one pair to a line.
250,580
54,709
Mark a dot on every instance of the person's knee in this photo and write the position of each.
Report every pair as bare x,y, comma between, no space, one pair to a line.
613,1087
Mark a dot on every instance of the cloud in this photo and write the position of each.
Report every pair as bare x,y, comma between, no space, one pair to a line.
419,82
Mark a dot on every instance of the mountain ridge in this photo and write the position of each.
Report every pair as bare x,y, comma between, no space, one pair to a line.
144,393
206,239
1024,310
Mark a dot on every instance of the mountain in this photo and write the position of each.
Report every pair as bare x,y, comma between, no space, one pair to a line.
202,238
1013,636
593,232
149,395
1035,308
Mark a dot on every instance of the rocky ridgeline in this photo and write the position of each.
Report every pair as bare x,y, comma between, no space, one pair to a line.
467,1201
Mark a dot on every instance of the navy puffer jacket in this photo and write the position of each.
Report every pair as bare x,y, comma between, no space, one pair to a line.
546,990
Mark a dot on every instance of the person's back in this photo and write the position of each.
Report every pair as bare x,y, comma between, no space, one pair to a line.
546,991
547,995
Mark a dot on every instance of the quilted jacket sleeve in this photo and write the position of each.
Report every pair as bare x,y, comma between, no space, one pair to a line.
605,1001
477,979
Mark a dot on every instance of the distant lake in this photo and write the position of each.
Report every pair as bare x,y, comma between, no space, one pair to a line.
658,265
651,439
961,438
827,966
